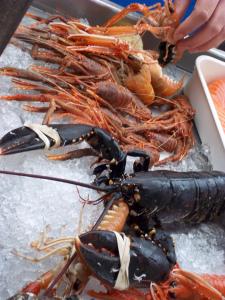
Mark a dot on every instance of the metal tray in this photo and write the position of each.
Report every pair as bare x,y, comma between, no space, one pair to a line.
97,12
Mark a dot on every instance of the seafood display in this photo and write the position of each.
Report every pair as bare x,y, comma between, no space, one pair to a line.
103,89
101,76
216,89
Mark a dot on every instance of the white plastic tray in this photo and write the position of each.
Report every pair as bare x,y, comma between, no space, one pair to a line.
207,122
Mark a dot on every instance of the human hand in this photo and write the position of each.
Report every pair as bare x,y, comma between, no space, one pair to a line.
205,26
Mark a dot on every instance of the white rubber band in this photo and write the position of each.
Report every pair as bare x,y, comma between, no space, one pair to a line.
43,132
123,243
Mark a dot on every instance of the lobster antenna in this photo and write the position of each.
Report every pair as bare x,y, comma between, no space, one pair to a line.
86,185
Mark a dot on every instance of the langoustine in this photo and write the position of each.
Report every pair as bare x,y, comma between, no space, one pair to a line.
181,285
101,78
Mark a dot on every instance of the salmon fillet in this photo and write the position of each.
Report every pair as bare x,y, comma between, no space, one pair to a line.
217,91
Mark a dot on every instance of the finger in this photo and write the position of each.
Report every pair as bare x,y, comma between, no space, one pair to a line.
202,13
208,32
213,43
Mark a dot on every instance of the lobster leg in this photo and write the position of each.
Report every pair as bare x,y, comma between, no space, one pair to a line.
143,163
26,139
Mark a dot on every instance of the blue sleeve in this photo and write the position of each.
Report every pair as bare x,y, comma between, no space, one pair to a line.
151,2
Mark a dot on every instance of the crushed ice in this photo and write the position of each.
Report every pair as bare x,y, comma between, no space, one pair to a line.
27,206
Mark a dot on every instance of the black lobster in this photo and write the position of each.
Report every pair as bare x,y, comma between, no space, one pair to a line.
154,198
164,196
151,254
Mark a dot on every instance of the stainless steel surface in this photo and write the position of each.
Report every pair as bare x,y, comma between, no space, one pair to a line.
187,63
11,13
98,11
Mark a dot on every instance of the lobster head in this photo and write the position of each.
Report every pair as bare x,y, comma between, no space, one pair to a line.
150,260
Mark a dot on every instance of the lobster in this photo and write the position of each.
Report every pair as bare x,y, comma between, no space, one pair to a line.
185,285
151,257
154,198
163,197
157,196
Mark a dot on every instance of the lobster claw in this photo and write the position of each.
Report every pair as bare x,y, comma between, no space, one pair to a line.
26,138
149,260
19,140
35,136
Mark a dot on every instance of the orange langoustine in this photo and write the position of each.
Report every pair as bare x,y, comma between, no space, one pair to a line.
181,285
103,77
